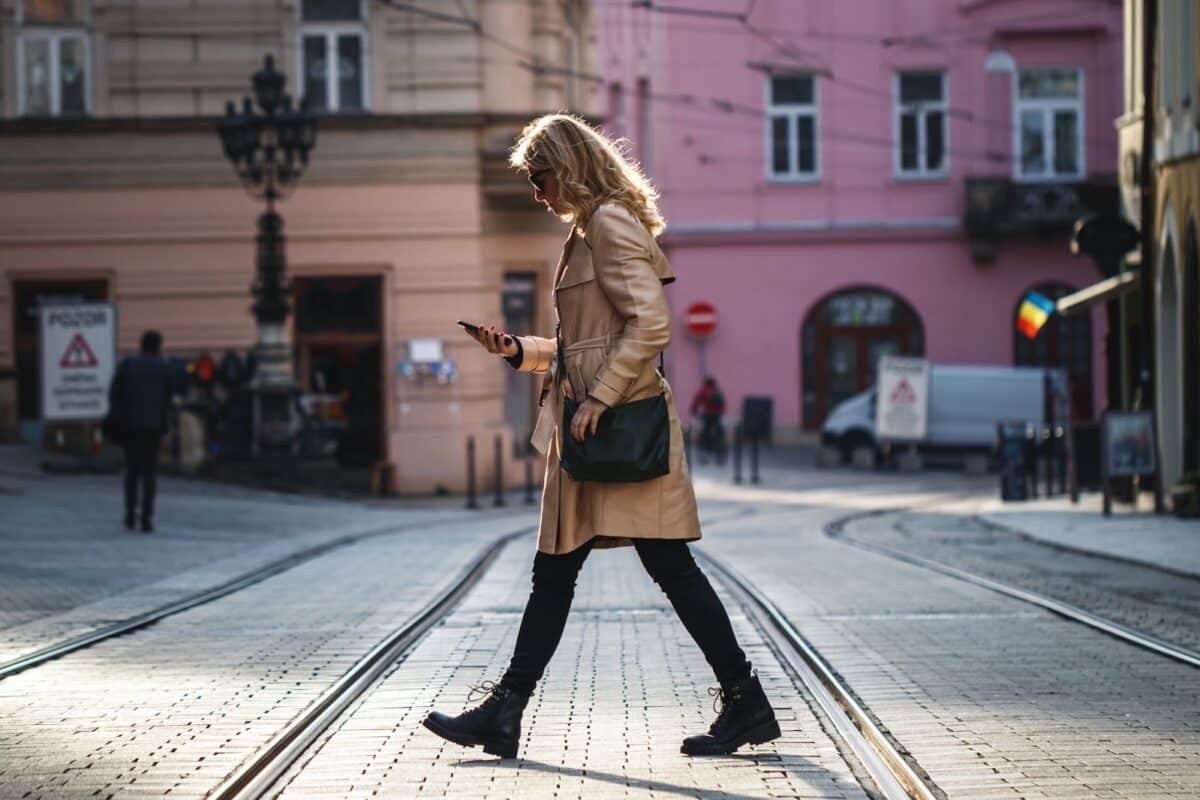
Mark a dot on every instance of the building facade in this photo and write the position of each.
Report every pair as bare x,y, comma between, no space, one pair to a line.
113,186
848,180
1163,330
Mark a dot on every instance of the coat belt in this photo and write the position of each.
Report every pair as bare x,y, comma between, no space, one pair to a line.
551,412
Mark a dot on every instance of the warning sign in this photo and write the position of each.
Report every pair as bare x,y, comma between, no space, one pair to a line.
903,393
78,354
901,410
78,344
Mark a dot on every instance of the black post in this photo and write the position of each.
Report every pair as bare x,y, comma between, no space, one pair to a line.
754,459
1031,460
472,503
1048,446
529,499
737,453
498,457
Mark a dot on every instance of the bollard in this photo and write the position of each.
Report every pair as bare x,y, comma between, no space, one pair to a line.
471,502
737,454
1048,451
498,454
529,500
754,459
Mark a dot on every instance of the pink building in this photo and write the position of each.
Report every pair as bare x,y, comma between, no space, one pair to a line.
849,179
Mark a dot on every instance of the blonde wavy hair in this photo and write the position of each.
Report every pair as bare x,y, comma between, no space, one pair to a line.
591,169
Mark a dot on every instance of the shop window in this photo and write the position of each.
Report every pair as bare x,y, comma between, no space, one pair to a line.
842,340
1063,342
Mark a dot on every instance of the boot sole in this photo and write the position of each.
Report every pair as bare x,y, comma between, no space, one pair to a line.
760,734
504,748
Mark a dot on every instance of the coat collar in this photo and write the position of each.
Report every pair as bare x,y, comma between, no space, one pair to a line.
567,249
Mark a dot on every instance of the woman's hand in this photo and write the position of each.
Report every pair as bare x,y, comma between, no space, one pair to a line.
586,418
494,341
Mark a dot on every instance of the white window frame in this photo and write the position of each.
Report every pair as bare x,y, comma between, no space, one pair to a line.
1047,106
332,31
793,111
922,172
55,36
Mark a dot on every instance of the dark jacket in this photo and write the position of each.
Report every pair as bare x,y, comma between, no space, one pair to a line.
141,393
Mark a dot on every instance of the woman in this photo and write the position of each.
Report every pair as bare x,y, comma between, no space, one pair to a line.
614,323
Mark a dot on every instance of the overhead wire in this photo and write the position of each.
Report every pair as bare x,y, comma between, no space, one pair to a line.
532,62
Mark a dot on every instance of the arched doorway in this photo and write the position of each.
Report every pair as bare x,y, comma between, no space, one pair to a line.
1063,342
842,340
1191,351
1168,386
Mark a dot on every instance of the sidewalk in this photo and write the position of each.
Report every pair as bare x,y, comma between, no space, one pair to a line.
1135,534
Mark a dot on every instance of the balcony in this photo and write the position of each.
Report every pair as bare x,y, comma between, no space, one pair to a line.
1001,208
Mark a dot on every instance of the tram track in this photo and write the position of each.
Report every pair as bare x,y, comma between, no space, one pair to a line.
894,776
837,530
129,625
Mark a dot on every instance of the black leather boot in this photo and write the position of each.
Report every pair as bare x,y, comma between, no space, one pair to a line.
745,718
495,723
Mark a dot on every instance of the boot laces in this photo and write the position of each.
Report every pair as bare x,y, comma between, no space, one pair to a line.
489,690
723,703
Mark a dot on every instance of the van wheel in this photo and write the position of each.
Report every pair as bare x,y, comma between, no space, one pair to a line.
852,440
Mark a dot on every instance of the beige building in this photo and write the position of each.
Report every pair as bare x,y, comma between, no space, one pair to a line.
1167,318
113,185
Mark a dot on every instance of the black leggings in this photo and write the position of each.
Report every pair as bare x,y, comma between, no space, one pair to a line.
672,567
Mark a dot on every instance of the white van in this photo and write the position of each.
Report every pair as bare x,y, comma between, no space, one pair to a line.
965,403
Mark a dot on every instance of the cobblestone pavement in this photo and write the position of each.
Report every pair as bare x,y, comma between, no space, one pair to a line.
178,705
994,697
69,565
626,685
1141,597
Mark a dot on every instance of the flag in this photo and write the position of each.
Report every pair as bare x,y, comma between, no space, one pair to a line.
1035,310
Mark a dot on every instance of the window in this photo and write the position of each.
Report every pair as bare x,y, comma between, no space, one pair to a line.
616,110
52,58
921,124
333,54
645,125
519,299
792,127
1049,124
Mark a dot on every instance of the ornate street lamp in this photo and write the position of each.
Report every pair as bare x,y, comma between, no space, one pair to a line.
269,151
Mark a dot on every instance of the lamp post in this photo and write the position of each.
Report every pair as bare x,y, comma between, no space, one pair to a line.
269,152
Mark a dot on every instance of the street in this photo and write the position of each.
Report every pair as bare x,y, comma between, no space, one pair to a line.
981,694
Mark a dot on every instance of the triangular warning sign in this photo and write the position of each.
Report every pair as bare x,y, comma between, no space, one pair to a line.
78,354
903,393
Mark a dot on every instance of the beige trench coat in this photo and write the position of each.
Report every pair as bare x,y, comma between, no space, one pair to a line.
615,322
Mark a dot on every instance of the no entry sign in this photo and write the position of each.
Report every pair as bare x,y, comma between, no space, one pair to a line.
701,318
79,354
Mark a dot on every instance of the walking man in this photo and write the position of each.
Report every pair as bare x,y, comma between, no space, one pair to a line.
139,398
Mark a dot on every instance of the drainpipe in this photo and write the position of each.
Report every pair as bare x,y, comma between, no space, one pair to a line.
1149,199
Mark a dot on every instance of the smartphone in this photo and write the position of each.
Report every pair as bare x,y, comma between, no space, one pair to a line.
470,327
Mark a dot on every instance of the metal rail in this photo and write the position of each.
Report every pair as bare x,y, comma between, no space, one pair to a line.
1071,612
894,776
59,649
257,776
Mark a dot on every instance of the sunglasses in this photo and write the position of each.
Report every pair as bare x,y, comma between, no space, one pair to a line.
536,180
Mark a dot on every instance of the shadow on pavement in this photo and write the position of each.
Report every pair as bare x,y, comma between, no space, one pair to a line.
804,767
